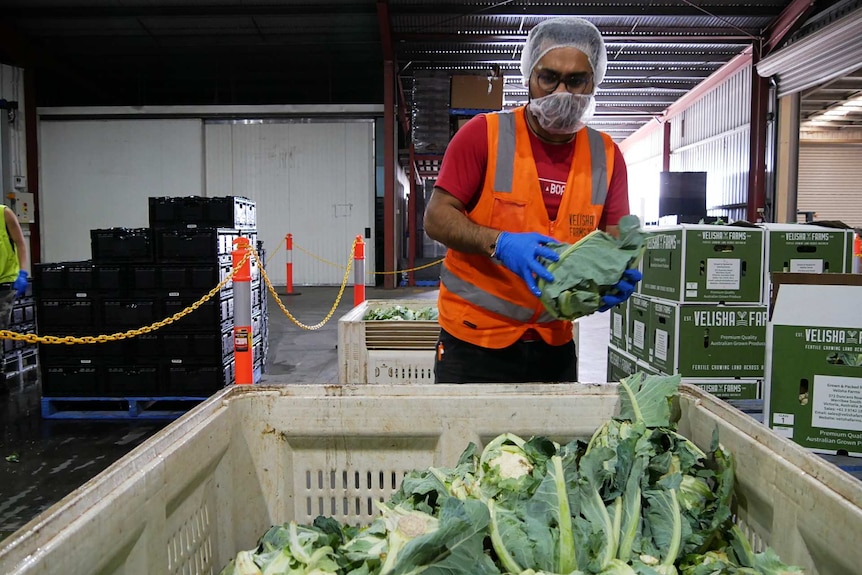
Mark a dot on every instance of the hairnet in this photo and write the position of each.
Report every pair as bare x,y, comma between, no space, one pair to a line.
560,33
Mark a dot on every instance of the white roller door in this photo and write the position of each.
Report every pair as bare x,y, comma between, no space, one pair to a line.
98,174
830,182
312,179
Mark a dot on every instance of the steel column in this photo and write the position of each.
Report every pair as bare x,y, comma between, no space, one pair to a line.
665,152
757,149
390,261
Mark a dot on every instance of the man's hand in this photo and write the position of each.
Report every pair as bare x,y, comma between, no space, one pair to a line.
518,252
622,290
20,283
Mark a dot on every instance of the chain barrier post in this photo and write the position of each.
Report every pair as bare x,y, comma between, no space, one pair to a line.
243,350
358,271
288,243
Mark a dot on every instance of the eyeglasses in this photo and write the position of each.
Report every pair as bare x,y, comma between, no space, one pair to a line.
577,83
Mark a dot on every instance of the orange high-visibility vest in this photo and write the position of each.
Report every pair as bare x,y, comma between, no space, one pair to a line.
481,301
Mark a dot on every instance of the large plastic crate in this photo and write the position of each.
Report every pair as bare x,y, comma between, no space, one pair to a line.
212,482
386,351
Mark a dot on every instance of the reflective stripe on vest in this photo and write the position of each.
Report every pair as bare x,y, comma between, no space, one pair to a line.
504,174
481,298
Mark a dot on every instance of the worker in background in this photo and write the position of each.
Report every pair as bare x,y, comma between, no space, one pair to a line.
509,183
13,260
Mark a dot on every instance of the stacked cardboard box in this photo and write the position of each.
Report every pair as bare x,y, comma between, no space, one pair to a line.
702,307
814,361
699,312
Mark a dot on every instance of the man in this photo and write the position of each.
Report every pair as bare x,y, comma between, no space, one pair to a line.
13,258
510,182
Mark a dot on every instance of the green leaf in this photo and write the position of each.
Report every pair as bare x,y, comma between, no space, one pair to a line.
648,398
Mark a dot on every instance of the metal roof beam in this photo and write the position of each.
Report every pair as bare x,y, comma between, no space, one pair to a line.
646,58
209,10
644,36
786,23
446,10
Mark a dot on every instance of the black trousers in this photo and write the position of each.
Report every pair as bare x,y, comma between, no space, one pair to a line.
457,361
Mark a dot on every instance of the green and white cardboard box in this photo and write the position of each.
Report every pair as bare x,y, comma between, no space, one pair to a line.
805,248
703,340
696,263
620,364
638,326
646,368
723,388
813,392
619,330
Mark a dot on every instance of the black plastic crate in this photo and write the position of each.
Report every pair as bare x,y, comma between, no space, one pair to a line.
63,278
209,316
66,313
71,380
114,279
193,279
65,354
204,347
197,211
122,245
193,245
141,347
197,379
129,312
132,380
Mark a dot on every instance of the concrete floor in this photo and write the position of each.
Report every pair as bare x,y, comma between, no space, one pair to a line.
42,460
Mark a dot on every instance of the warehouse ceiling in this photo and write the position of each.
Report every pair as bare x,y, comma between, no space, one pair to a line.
181,52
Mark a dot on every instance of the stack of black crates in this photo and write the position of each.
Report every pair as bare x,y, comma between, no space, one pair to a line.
19,357
138,276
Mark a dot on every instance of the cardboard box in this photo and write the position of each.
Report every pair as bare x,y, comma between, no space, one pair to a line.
644,367
639,327
620,364
703,340
619,330
729,389
803,248
692,263
814,362
473,92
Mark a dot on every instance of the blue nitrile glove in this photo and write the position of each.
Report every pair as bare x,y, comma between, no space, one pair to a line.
622,290
518,252
20,284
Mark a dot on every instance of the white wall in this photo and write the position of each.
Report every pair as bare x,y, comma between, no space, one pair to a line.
711,135
830,181
314,180
644,163
97,174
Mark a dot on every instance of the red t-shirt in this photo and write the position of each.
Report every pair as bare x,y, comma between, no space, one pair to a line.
462,173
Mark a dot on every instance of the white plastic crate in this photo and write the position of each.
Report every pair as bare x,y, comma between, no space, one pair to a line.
211,483
386,351
400,366
390,351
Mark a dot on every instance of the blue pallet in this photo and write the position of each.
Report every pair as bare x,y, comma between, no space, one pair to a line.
109,407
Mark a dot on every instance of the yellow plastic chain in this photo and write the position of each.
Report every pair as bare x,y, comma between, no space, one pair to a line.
313,256
68,339
284,310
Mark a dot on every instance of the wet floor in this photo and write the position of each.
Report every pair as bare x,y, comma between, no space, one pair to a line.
43,460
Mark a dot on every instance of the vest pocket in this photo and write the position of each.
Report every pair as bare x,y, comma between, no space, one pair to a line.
508,215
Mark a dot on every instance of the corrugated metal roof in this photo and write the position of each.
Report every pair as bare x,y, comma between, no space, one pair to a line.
298,51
